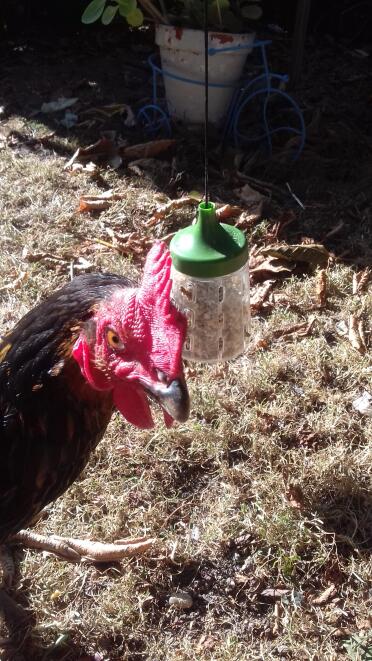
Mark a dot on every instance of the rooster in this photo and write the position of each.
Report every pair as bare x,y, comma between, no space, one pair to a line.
98,344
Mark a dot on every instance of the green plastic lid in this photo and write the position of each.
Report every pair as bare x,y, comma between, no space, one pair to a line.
208,249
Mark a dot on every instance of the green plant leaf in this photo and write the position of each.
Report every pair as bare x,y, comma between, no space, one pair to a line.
93,11
252,12
109,14
135,18
230,21
127,7
359,646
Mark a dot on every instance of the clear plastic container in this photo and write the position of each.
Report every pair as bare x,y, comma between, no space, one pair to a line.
218,314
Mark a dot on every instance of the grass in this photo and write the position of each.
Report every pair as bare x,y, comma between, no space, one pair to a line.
267,486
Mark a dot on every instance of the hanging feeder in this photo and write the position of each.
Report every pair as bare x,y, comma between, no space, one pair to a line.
211,286
210,273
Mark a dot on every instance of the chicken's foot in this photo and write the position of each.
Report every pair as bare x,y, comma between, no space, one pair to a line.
77,550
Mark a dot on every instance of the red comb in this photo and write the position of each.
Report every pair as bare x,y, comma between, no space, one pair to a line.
156,283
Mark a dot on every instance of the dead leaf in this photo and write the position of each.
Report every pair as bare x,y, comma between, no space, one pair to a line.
246,220
308,439
61,104
253,203
321,288
80,167
206,643
313,254
356,334
269,268
260,294
363,404
363,624
168,208
250,196
93,205
261,344
228,211
133,243
146,149
325,596
285,219
104,151
241,578
295,496
22,277
143,165
360,281
98,202
275,593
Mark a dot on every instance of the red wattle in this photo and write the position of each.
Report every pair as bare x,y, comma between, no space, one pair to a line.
133,405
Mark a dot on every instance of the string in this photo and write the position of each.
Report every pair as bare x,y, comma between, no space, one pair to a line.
206,90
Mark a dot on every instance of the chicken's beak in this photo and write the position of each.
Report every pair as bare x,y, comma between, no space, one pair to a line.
174,398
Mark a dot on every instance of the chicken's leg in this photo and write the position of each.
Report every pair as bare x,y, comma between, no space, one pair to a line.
76,550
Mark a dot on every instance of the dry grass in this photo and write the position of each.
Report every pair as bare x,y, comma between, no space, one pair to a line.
267,486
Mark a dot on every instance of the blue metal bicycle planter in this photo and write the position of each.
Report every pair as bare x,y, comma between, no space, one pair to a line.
259,111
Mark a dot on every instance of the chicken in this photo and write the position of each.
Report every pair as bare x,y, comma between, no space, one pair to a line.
96,345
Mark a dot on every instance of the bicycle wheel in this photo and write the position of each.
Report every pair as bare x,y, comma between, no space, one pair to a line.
154,121
270,117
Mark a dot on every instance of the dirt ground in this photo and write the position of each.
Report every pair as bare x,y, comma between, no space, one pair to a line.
263,500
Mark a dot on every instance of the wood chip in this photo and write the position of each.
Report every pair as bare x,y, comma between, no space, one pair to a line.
325,596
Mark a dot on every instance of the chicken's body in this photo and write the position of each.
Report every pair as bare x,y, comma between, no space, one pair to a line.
51,419
96,344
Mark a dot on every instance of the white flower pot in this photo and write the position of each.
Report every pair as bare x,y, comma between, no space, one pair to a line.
182,54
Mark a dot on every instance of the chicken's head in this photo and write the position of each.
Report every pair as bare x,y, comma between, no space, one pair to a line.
133,346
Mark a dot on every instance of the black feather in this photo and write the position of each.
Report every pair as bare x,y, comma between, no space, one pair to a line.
50,418
38,338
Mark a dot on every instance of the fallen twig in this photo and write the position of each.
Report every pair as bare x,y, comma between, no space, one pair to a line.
321,288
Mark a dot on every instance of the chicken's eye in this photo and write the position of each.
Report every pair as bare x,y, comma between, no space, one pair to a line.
113,340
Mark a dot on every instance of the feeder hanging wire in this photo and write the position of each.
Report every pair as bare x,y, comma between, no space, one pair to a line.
206,92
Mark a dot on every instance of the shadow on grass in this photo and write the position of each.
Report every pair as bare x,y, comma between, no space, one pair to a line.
346,511
21,641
